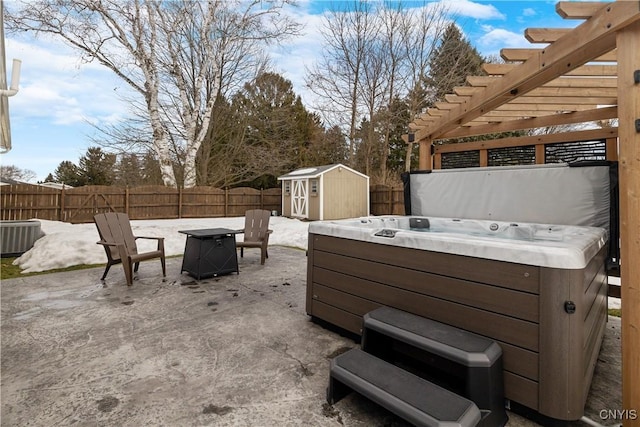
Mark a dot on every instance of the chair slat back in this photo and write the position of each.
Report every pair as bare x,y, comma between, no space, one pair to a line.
115,227
256,224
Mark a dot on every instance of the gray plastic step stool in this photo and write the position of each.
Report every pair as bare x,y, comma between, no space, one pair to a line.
412,398
396,337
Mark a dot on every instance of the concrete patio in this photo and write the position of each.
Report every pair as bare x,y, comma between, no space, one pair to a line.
238,350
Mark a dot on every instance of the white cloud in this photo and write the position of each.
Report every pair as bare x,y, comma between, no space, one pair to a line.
48,57
469,9
293,58
499,37
55,84
39,99
529,12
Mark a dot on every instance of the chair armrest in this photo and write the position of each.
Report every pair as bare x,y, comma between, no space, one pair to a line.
103,243
148,237
122,252
160,241
265,239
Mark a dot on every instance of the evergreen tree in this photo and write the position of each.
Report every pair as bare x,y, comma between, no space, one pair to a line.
327,147
97,167
450,63
417,99
220,150
150,170
397,147
68,173
277,128
129,171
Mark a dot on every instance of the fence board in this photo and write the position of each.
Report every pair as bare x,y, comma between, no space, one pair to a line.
82,203
203,202
272,199
241,199
79,205
154,202
386,200
26,201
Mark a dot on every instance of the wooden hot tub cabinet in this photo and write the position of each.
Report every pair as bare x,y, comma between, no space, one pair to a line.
548,321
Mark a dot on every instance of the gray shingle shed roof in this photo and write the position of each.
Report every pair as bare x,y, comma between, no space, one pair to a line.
315,172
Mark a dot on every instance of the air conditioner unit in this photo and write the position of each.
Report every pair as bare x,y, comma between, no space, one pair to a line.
18,236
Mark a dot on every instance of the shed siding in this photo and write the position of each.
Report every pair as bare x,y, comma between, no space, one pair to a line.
286,201
345,194
314,202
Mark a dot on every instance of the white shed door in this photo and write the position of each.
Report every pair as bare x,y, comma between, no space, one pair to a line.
299,192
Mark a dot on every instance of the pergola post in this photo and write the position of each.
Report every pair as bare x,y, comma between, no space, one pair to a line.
628,44
425,155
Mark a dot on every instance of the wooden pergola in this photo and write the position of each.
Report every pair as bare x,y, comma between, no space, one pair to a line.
582,74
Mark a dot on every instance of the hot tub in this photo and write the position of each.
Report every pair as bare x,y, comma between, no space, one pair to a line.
539,290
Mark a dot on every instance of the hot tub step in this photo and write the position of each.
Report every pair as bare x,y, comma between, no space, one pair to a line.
458,345
418,401
462,361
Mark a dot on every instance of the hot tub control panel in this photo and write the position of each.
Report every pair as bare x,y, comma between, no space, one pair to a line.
385,232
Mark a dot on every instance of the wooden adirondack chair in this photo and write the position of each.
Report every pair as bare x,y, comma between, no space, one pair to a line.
119,243
256,232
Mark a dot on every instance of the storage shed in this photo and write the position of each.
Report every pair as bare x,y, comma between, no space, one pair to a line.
325,192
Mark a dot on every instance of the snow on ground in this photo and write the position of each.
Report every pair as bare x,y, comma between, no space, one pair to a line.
64,244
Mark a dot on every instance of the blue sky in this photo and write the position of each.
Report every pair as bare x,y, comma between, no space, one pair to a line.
60,96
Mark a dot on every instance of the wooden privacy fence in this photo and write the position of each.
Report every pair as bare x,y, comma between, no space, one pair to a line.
386,200
79,205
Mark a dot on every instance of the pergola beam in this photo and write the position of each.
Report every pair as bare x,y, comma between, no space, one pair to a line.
470,92
536,122
575,82
524,141
545,35
524,54
552,62
527,99
518,106
573,10
598,70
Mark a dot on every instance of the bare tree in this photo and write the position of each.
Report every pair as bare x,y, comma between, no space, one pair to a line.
394,56
11,172
173,54
421,39
375,52
336,77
